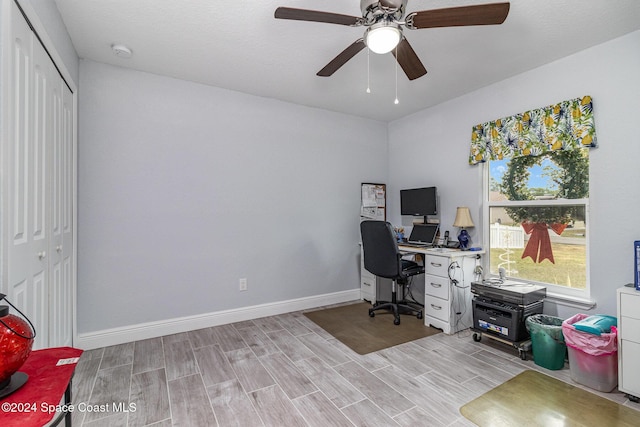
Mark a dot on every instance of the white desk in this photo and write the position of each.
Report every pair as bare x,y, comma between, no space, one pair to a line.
439,251
447,304
447,286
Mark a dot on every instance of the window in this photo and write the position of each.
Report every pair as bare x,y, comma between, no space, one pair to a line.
538,210
537,194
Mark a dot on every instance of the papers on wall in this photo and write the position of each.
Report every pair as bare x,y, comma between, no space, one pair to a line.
373,204
372,213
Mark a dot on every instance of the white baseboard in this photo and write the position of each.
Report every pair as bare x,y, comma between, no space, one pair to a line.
142,331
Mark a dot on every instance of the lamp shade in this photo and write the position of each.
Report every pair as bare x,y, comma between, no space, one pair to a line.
463,218
382,37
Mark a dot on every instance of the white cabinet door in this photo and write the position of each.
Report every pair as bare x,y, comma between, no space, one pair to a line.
629,375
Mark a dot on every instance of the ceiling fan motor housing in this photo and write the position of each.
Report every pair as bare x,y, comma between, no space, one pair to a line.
374,11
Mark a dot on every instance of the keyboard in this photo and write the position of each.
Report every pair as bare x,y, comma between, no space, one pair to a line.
415,244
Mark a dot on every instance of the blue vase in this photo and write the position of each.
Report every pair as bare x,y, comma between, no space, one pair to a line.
464,239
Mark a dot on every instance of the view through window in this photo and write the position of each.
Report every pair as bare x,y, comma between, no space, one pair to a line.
538,217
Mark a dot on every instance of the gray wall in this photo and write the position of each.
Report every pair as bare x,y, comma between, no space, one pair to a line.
436,142
184,189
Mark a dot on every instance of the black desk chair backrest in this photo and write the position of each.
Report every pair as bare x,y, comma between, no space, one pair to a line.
383,258
381,254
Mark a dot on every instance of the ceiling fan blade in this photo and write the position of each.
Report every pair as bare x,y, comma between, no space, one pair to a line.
408,60
316,16
482,14
342,58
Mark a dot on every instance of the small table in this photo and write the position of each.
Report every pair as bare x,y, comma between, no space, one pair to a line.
38,401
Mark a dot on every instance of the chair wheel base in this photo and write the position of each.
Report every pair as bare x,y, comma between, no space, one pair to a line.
396,309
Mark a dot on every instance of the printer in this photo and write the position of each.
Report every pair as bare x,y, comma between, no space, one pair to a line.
500,307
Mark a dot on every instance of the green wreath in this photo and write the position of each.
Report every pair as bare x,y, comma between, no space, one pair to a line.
572,179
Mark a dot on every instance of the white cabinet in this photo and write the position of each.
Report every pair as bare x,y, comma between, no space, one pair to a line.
447,282
628,302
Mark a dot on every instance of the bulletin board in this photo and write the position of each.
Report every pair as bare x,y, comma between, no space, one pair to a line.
373,203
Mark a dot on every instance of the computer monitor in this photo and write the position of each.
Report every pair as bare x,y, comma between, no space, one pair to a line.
419,201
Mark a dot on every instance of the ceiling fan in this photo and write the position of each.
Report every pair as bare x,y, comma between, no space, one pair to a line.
384,22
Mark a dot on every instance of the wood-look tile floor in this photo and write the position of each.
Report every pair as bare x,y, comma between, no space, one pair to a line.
286,371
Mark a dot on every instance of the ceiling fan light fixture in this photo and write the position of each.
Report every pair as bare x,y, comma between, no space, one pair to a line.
382,37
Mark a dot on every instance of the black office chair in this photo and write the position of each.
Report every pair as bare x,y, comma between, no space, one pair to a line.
382,258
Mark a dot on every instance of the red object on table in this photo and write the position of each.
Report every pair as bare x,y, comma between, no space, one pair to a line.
36,402
16,339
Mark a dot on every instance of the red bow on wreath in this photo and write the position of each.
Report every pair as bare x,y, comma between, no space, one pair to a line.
539,245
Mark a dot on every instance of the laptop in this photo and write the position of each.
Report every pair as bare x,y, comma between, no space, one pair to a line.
423,235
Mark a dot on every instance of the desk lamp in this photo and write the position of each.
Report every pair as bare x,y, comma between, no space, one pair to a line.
463,219
16,339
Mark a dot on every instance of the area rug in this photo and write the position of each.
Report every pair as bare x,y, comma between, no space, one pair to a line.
352,325
535,399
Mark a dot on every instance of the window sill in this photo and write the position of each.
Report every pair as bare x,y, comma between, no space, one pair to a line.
570,301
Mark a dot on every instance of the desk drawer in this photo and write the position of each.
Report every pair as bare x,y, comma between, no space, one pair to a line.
436,265
629,328
368,284
436,307
436,286
630,306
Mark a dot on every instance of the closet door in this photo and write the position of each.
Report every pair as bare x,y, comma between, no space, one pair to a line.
61,200
27,264
38,160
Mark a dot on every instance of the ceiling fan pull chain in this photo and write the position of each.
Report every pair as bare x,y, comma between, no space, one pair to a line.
368,68
396,101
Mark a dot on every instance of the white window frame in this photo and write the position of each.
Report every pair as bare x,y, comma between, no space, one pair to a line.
579,298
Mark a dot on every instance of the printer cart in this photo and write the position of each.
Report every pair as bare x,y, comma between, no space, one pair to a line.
499,312
522,346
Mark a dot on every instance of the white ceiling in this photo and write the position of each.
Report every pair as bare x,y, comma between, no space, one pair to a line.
239,45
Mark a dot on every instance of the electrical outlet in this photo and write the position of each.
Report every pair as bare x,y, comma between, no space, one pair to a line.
243,284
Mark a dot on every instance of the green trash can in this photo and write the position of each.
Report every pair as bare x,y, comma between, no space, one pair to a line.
547,341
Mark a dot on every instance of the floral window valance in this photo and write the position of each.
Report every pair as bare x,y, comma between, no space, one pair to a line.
564,126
